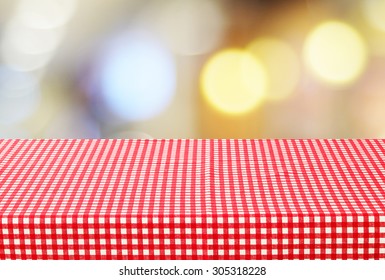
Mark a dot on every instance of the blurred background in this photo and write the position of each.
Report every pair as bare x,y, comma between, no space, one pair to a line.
192,69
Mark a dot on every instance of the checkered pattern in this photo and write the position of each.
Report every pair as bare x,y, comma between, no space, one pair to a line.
192,199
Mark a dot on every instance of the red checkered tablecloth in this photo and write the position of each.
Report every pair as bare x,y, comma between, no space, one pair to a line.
192,199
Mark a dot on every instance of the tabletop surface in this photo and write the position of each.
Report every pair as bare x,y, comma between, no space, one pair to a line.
192,177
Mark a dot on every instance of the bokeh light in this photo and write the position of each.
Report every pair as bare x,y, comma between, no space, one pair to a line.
21,61
45,14
281,63
335,52
19,96
137,76
34,31
234,81
375,13
192,68
30,40
191,27
26,49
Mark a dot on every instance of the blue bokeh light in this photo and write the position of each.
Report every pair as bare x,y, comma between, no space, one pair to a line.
137,78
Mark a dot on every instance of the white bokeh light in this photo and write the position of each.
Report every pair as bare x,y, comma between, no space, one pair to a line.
33,33
19,96
45,14
30,40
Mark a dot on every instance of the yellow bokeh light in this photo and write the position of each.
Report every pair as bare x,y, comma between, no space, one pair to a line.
282,66
233,81
335,52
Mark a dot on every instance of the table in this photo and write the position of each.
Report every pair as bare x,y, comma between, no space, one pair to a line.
192,199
